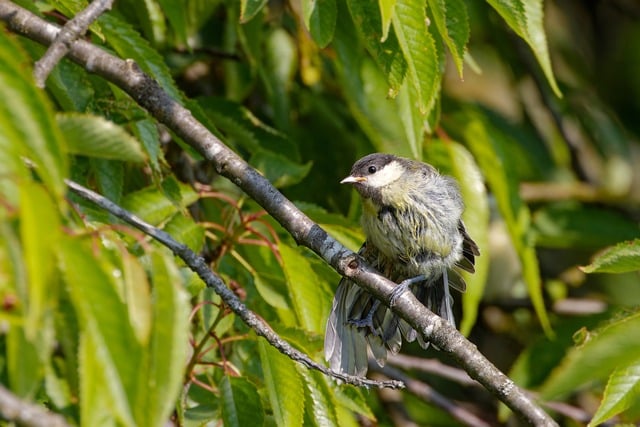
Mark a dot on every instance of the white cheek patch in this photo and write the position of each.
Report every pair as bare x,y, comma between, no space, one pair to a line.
386,175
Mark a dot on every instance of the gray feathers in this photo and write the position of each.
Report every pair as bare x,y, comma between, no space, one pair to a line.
411,217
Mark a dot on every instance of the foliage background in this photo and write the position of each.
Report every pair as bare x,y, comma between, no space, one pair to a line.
104,326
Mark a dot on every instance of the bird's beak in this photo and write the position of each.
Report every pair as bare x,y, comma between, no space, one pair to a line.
353,179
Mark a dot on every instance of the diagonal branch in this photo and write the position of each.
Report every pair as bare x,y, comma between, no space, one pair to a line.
200,267
27,414
148,94
71,31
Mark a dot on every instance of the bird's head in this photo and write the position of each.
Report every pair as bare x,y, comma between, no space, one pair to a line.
375,171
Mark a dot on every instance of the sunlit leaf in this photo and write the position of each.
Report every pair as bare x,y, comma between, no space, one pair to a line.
94,136
250,8
452,20
284,385
488,146
614,345
384,49
386,14
306,291
622,258
622,391
319,398
525,17
240,402
153,206
27,125
320,19
420,51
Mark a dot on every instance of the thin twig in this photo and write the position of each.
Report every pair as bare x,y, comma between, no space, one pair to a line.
27,414
198,265
429,395
70,32
150,95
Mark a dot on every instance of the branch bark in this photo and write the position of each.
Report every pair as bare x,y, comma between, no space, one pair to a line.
148,94
27,414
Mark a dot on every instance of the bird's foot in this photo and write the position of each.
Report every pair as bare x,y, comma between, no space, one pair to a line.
367,321
403,286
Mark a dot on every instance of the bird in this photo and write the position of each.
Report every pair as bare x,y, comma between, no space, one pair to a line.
411,218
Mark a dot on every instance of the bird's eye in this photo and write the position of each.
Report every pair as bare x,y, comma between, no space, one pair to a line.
372,169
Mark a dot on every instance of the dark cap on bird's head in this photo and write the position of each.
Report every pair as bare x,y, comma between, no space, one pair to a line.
375,170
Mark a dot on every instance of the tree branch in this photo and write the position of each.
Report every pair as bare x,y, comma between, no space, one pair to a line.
27,414
199,266
148,94
71,31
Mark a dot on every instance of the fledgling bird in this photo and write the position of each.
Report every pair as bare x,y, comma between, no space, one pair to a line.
415,237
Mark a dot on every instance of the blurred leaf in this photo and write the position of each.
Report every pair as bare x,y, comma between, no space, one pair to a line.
525,18
138,296
279,169
614,345
622,258
488,147
39,232
280,64
153,206
110,343
240,402
452,21
574,226
147,133
93,136
27,124
459,163
250,8
25,369
267,275
306,291
109,177
167,348
420,51
384,48
128,43
284,385
622,391
176,14
320,19
70,86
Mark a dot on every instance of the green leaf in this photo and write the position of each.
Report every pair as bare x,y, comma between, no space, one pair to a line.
137,295
94,136
240,401
24,368
386,14
616,344
381,44
454,159
279,169
39,232
488,146
112,347
420,52
147,132
27,125
153,206
128,43
452,21
185,230
320,19
284,385
267,274
70,86
308,294
168,345
249,9
176,13
525,17
319,400
622,258
622,391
